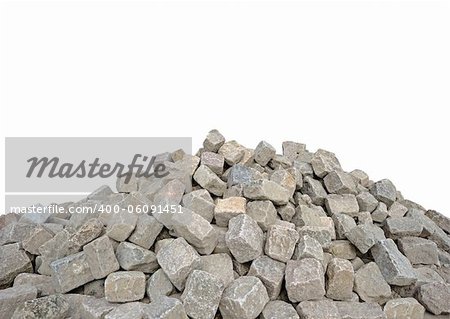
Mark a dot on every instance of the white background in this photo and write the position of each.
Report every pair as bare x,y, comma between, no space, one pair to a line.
367,80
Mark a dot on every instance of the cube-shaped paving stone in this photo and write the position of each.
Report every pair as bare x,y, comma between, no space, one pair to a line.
384,191
370,284
402,227
244,298
321,234
244,238
12,297
419,250
54,306
200,202
197,231
364,236
219,265
340,276
324,162
214,161
202,295
345,204
263,212
340,182
314,189
308,247
158,285
343,249
280,242
404,308
228,208
36,239
121,225
101,257
270,272
367,202
207,179
395,267
435,297
318,309
134,257
264,152
146,231
178,259
279,309
13,262
165,308
213,141
125,286
304,280
71,272
343,223
264,189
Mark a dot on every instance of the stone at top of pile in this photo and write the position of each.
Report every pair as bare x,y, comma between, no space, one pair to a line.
231,232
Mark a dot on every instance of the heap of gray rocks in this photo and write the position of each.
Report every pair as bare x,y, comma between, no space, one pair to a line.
256,235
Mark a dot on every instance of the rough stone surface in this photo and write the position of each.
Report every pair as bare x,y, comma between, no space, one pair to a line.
315,190
270,272
146,231
264,152
219,265
207,179
43,284
121,225
320,309
267,190
304,280
364,236
50,307
13,261
12,297
280,242
435,297
158,285
279,309
356,310
202,294
244,238
324,162
340,276
404,308
308,247
100,257
228,208
419,250
394,266
384,191
178,259
345,204
134,257
370,284
340,182
263,212
71,272
165,308
244,298
367,202
213,141
214,161
402,226
343,249
125,286
200,202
